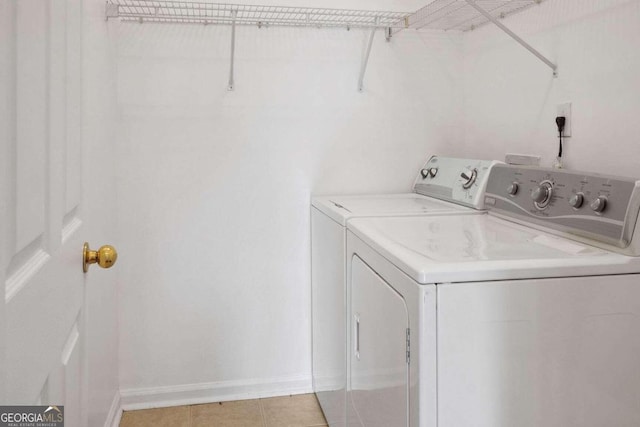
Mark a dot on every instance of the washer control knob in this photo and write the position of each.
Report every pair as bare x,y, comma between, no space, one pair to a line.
433,172
424,173
599,205
513,189
541,194
576,200
469,178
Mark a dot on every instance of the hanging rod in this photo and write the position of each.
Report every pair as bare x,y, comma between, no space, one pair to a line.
219,13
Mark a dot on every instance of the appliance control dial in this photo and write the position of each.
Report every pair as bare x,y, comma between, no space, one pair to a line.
576,200
433,172
424,173
513,189
469,177
541,195
599,204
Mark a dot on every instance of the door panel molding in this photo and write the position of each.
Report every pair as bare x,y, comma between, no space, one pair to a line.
24,272
70,225
32,133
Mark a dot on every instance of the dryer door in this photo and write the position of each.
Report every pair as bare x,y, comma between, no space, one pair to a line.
378,392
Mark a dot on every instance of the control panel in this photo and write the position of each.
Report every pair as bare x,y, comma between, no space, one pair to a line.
598,207
461,181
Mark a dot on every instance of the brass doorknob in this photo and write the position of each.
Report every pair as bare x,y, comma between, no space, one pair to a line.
105,257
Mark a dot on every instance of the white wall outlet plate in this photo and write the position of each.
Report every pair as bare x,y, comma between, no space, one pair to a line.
564,110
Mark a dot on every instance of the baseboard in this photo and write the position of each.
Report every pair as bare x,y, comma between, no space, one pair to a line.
115,412
222,391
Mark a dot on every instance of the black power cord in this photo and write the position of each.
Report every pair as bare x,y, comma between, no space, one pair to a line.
560,122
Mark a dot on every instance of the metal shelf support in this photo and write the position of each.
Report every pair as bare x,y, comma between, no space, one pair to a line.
514,36
234,14
365,58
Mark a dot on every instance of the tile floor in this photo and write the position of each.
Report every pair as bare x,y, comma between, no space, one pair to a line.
289,411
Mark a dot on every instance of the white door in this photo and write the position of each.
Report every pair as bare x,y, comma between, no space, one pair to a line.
42,216
378,394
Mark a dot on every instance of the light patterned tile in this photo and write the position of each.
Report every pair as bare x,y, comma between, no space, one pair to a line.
177,416
292,411
242,413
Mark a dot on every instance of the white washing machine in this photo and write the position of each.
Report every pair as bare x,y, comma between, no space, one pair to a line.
444,186
526,317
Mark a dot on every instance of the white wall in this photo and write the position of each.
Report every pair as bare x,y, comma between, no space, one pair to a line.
214,187
99,193
511,97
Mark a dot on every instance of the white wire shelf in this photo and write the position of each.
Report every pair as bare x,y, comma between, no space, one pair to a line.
459,15
219,13
462,16
438,14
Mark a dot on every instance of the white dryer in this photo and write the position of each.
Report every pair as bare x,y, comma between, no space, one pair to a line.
444,186
528,316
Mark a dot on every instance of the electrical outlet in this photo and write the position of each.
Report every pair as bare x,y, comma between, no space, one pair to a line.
564,110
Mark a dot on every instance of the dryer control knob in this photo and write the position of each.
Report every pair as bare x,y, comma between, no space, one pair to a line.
469,178
599,204
424,173
576,200
513,189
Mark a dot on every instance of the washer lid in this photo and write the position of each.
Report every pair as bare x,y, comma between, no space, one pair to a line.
480,248
341,208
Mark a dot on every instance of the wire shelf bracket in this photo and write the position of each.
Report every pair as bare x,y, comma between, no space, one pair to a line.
467,15
233,49
367,53
514,36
